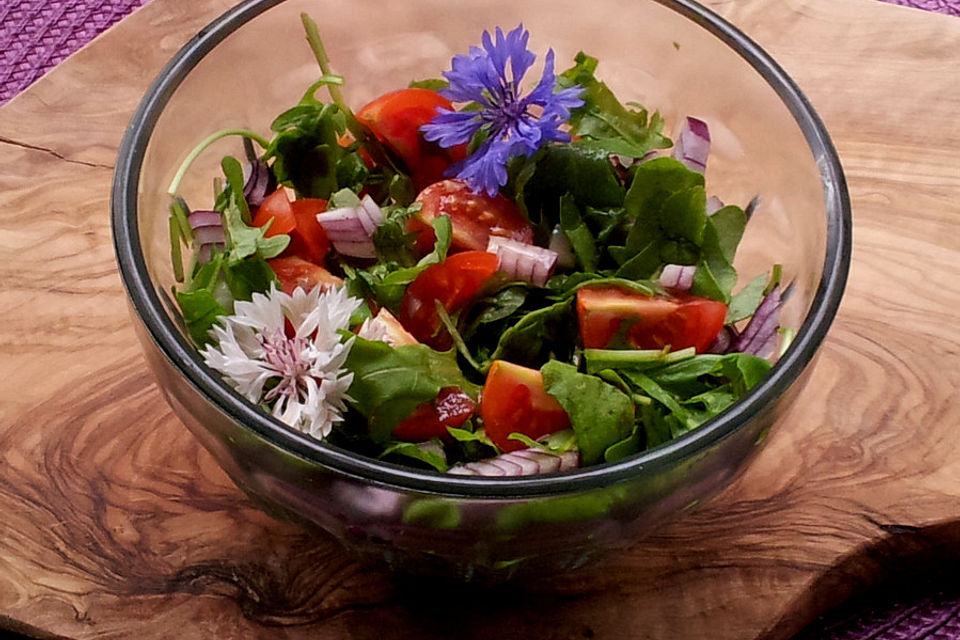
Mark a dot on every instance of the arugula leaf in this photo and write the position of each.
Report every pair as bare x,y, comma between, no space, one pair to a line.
307,154
200,311
654,181
625,448
577,232
603,124
392,240
537,335
502,304
249,276
389,383
589,178
462,435
430,452
599,359
204,300
244,240
600,414
557,443
662,396
234,174
715,276
433,84
745,302
567,286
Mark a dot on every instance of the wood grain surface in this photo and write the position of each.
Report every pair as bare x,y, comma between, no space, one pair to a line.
115,524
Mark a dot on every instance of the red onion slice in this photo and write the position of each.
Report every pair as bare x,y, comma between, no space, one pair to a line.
526,462
207,231
678,276
724,340
526,262
257,182
199,219
760,335
693,144
714,204
209,235
351,229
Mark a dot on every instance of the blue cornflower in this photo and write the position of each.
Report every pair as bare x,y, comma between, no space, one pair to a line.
513,124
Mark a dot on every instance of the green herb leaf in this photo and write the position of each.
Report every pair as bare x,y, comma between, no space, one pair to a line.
577,232
745,302
605,125
389,383
430,452
537,335
716,276
588,178
600,414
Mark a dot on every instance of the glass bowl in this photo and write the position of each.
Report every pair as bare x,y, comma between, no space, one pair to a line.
672,55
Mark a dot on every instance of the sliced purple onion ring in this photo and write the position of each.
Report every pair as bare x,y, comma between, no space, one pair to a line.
693,144
258,182
724,340
526,462
760,335
208,232
351,229
714,204
526,262
678,276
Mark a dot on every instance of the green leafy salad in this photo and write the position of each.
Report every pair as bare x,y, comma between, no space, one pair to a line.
477,274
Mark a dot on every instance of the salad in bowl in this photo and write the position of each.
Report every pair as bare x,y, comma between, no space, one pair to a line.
494,272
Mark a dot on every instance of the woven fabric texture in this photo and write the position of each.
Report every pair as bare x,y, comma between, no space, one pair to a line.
35,35
949,7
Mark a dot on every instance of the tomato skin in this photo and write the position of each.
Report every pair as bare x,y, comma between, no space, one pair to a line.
473,216
681,320
308,240
395,119
452,407
276,207
455,282
513,400
294,271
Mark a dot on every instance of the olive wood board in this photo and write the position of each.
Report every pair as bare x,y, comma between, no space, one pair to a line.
114,523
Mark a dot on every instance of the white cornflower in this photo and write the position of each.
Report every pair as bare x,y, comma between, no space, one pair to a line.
288,344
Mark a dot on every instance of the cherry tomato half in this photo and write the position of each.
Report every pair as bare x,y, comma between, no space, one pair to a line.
455,282
395,119
513,400
452,407
308,240
473,216
293,272
647,322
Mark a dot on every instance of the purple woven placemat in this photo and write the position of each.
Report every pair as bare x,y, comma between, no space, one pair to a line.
35,35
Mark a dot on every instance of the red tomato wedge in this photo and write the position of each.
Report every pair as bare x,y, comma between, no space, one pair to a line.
395,119
308,240
473,216
455,282
293,272
451,408
644,322
513,401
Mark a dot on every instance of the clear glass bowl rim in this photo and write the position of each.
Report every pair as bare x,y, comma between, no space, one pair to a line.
147,305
